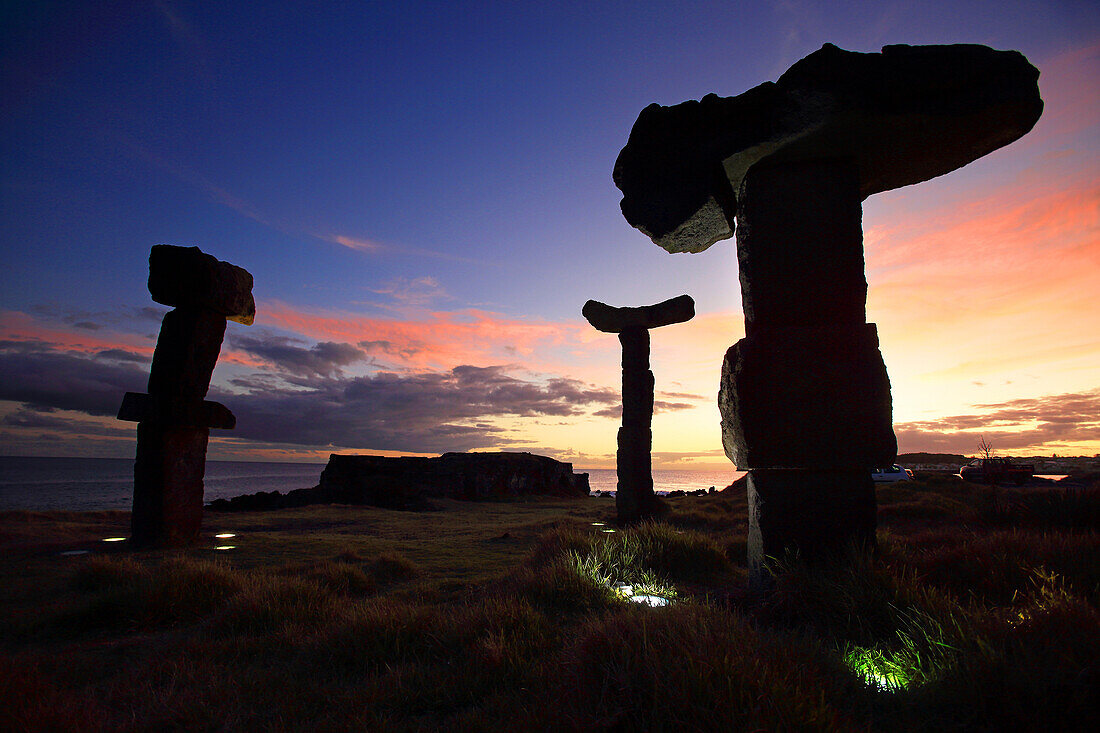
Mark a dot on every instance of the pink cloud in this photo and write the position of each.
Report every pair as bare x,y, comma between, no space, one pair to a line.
438,340
19,326
1029,249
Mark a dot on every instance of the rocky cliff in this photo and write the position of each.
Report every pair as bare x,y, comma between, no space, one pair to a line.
408,483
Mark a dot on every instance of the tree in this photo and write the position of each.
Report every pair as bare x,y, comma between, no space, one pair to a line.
985,449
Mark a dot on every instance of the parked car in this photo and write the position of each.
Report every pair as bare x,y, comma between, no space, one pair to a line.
997,471
891,474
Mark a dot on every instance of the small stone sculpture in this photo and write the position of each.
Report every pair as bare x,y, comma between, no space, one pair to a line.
634,497
805,399
173,419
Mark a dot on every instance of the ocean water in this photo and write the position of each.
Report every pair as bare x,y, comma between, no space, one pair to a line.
603,479
90,484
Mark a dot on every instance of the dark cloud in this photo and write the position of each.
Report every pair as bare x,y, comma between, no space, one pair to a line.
1050,420
87,325
123,355
658,406
48,419
426,412
151,313
41,376
405,350
26,418
325,359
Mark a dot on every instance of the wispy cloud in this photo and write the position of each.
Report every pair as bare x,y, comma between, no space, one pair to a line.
361,245
1053,422
373,247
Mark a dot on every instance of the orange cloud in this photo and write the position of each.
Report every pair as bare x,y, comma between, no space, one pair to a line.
1001,256
440,340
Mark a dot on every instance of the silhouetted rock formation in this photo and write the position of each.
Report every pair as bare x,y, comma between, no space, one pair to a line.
173,419
805,399
634,497
410,483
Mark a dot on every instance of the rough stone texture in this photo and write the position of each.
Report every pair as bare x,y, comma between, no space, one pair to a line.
174,420
410,483
634,497
807,398
610,319
186,276
141,407
800,245
801,512
186,354
168,473
904,115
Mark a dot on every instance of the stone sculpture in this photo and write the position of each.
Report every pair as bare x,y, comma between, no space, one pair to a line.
805,399
634,497
174,419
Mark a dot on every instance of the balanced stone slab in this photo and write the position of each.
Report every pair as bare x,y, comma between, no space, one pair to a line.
187,276
610,319
904,115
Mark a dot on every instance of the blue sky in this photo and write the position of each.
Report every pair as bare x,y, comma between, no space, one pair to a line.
420,164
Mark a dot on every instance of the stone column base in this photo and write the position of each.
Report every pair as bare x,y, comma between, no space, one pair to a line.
168,487
818,514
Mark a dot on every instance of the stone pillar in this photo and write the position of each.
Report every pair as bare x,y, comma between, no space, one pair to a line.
634,497
174,419
805,399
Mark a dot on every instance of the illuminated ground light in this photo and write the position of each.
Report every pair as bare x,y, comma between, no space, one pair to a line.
597,524
608,531
226,547
114,539
626,592
877,668
225,535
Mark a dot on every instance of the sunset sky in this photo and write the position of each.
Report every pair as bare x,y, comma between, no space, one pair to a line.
423,194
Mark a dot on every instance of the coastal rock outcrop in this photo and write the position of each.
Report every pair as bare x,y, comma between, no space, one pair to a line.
410,482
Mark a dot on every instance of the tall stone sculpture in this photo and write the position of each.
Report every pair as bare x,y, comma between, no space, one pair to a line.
805,399
634,497
174,419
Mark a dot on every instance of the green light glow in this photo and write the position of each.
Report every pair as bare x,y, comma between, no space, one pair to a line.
623,576
877,668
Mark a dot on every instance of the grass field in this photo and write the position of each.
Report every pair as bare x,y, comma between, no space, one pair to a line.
980,612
